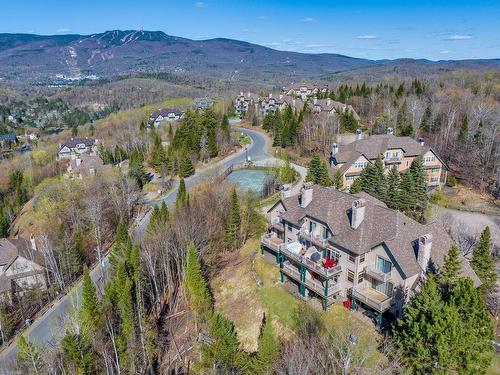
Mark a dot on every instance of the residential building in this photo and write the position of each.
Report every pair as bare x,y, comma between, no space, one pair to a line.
303,90
243,102
352,158
203,103
330,107
86,165
336,246
7,140
77,146
165,114
21,267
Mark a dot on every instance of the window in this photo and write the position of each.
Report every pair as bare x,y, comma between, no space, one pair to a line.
435,170
428,159
312,226
384,288
350,276
361,164
360,277
383,265
362,258
332,254
349,178
324,232
352,258
289,228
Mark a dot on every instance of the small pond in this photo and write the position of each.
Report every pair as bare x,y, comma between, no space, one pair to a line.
252,179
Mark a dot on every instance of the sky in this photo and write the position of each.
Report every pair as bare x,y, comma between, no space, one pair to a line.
436,30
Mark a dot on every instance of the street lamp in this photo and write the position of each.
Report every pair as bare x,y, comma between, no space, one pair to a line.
246,153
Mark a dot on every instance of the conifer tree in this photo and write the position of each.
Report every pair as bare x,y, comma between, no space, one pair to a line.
196,286
483,262
234,222
212,144
268,347
29,356
181,199
122,246
186,168
164,213
380,183
393,188
78,351
407,201
452,267
356,186
318,172
90,309
226,130
338,181
420,181
464,129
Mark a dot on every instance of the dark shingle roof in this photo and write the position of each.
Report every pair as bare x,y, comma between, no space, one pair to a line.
10,137
398,233
89,142
165,112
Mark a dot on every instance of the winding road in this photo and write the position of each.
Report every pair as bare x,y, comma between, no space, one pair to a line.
49,328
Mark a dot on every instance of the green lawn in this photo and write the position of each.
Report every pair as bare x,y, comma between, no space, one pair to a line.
243,138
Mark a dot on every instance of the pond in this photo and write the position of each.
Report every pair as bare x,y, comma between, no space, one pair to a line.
252,179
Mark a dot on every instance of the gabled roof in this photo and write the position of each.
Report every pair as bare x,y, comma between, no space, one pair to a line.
11,248
71,143
398,233
164,112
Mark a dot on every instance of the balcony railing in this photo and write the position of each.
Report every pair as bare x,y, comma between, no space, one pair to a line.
377,274
393,159
272,242
309,264
367,296
313,238
311,284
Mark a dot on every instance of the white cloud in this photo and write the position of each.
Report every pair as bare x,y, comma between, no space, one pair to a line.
63,30
200,4
444,52
459,37
308,20
263,17
368,36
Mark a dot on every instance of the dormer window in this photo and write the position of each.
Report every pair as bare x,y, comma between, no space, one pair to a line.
80,146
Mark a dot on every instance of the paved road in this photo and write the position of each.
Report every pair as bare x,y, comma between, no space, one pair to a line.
50,327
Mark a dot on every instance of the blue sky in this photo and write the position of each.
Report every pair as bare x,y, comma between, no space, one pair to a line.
439,29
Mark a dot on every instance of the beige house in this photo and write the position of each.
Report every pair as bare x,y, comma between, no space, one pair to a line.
21,267
334,246
77,146
352,158
303,90
330,107
86,165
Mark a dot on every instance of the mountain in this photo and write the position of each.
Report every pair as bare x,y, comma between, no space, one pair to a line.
42,58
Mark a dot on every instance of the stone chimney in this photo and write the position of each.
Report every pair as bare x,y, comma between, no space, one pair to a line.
335,149
241,93
328,101
357,213
270,95
315,100
390,131
249,94
359,134
306,195
424,251
281,96
421,141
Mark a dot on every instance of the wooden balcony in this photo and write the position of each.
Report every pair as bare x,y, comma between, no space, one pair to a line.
310,265
314,285
372,298
393,160
373,272
277,225
272,242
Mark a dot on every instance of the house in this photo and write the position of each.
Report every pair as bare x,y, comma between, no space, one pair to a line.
21,267
77,146
203,103
352,158
272,104
331,107
86,165
334,246
165,114
7,140
244,101
303,90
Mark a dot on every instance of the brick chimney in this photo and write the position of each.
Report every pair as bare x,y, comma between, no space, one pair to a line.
335,149
306,195
328,101
359,134
357,213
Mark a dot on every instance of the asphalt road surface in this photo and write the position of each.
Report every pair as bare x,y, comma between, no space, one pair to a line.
49,328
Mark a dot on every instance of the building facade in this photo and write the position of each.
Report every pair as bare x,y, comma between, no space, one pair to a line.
352,158
335,246
77,146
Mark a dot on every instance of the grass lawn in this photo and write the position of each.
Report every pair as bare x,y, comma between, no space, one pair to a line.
243,138
495,365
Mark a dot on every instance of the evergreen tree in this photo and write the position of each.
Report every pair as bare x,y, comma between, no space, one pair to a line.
29,356
78,351
338,181
426,119
420,181
90,309
234,222
212,144
407,198
158,158
464,129
186,168
483,262
122,246
196,286
268,347
170,132
356,186
226,130
318,172
452,267
393,188
181,199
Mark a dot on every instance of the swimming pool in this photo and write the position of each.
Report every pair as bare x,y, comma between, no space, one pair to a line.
250,179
